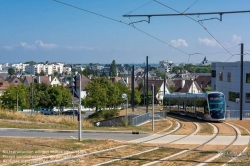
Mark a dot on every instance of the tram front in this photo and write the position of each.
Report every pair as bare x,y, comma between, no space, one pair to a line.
217,106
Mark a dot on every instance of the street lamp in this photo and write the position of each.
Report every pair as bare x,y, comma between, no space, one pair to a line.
124,96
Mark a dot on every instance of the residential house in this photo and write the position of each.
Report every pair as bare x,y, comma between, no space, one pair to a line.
28,80
54,81
203,80
186,86
3,85
13,80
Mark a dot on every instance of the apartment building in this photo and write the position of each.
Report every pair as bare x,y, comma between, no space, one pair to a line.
48,68
226,78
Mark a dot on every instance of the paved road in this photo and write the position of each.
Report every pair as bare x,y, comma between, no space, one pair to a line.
90,135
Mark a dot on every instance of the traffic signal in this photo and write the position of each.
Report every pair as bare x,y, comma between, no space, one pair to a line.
74,82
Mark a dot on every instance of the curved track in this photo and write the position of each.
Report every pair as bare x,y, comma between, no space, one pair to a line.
153,137
179,126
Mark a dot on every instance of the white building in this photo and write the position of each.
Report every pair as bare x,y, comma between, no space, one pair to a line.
19,66
48,68
226,79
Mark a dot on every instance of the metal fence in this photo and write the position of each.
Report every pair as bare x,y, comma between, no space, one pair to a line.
235,114
160,114
136,121
140,119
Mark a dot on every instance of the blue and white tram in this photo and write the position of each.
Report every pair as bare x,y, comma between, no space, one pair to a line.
209,106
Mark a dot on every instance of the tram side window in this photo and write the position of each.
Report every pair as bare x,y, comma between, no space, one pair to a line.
190,107
182,105
166,103
200,106
174,104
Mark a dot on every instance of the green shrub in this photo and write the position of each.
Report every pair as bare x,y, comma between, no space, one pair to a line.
104,114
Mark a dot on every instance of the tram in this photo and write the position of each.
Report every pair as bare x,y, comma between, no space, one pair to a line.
210,106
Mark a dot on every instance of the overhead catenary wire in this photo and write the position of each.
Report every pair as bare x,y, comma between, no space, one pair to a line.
119,21
198,23
190,6
140,7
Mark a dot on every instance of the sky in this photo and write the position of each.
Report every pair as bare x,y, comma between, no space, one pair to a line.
95,31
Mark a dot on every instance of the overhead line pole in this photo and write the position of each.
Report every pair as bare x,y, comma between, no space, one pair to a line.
185,14
241,81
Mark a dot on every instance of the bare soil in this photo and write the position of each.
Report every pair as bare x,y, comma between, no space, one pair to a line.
225,129
27,149
243,123
187,128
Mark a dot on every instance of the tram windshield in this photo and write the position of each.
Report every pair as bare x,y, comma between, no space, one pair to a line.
216,105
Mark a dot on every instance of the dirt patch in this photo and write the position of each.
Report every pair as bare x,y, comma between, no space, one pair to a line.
205,129
159,126
225,129
180,146
242,123
114,154
186,128
229,154
26,149
147,157
188,159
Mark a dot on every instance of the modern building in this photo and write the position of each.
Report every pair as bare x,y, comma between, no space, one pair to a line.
226,78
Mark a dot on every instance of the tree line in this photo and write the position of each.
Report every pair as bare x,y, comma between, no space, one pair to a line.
101,94
35,96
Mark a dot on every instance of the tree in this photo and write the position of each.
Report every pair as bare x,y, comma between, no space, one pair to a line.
137,96
177,68
42,73
160,74
55,95
11,71
171,88
14,94
30,62
96,94
113,95
56,73
113,72
208,88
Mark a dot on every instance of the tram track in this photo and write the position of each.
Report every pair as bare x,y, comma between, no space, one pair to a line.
208,160
172,158
234,158
185,151
155,148
66,159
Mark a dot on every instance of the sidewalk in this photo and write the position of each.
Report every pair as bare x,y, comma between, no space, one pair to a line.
69,131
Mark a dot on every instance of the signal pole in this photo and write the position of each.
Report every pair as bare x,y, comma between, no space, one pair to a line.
241,81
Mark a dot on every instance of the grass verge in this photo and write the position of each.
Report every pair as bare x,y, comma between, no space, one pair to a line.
21,150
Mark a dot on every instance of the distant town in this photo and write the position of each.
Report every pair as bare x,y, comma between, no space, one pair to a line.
179,78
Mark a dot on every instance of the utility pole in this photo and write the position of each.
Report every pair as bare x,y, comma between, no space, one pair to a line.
147,85
80,112
133,88
241,81
153,101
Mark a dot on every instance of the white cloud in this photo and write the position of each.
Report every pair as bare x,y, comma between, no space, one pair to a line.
8,48
208,42
179,43
236,39
46,46
27,46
